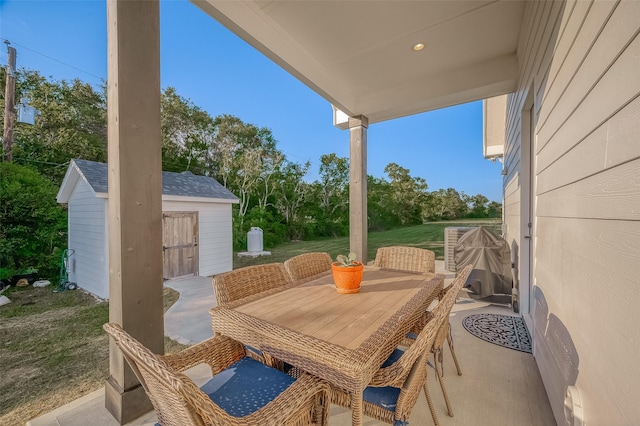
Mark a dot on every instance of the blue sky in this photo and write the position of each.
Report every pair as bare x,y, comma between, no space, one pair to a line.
222,74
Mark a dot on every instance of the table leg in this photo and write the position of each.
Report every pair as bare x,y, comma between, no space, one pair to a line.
356,408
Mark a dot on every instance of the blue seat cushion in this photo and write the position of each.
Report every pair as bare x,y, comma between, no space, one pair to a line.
246,386
413,336
395,355
385,397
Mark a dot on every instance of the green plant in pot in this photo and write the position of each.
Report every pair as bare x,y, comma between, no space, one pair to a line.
347,273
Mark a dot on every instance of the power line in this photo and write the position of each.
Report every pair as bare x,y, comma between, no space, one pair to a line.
55,60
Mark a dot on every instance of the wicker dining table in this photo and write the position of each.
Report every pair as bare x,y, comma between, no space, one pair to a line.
342,338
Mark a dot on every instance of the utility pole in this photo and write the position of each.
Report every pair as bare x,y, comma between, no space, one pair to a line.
9,101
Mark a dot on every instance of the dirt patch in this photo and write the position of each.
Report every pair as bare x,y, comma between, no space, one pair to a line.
19,374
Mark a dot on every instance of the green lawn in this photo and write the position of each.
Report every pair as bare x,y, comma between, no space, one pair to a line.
429,236
53,349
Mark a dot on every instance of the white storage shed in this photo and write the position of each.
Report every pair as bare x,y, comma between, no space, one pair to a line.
197,225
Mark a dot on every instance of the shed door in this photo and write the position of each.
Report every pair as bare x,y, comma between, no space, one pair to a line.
180,244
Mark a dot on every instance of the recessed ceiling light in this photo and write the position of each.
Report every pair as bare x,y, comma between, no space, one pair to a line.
418,47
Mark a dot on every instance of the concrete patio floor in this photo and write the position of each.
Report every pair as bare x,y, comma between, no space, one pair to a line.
499,386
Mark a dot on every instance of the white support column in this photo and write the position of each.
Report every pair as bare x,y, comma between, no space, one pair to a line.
358,187
135,193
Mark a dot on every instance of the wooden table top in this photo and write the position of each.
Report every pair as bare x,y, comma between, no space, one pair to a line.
317,310
313,323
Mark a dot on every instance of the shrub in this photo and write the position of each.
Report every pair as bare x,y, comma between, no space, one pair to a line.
34,226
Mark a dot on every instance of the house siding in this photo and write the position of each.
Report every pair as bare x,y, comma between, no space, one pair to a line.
87,233
215,228
582,61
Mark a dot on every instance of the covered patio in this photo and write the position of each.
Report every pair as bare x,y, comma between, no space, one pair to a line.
567,133
499,386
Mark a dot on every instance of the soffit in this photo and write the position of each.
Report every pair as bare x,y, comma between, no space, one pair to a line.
358,54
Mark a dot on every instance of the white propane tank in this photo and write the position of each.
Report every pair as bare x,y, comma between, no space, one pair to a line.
254,240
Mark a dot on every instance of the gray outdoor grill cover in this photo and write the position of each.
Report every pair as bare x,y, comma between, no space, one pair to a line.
491,257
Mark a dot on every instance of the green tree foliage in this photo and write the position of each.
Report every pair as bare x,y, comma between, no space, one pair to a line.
187,135
72,124
494,209
478,206
290,196
246,158
380,209
445,204
331,195
408,194
34,226
274,232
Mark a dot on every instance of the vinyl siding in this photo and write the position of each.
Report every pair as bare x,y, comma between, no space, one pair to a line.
87,233
582,61
88,236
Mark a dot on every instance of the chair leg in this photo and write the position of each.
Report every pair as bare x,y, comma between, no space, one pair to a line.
273,362
441,380
438,358
453,353
434,416
321,417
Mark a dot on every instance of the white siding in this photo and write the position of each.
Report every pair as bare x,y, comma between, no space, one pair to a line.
582,60
87,234
215,228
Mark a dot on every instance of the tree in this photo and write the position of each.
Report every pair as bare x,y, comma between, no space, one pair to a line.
478,206
334,182
34,226
267,181
290,195
72,124
446,204
247,159
331,196
494,209
407,194
187,135
380,212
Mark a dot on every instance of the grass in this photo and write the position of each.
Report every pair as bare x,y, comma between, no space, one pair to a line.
53,349
429,236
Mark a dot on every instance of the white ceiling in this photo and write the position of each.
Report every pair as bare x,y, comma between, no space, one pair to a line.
358,54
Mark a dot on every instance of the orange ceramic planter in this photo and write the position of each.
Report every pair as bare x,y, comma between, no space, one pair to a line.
347,278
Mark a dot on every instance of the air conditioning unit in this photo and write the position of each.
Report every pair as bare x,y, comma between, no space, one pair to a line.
451,236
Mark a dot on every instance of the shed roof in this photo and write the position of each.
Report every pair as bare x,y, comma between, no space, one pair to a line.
184,184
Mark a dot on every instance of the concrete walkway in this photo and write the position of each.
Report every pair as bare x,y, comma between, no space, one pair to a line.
188,320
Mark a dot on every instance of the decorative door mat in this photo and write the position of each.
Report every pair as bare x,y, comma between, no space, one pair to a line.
502,330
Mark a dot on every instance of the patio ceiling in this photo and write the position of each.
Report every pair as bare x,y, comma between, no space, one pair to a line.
358,54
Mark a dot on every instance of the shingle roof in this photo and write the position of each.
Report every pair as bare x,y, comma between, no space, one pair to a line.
183,184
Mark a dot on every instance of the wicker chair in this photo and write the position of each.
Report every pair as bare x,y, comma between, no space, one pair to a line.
395,388
248,281
419,260
308,265
242,391
411,259
444,332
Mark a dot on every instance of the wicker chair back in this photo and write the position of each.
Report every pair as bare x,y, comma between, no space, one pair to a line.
250,280
411,259
308,265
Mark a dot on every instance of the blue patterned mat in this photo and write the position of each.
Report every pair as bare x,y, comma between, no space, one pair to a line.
502,330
